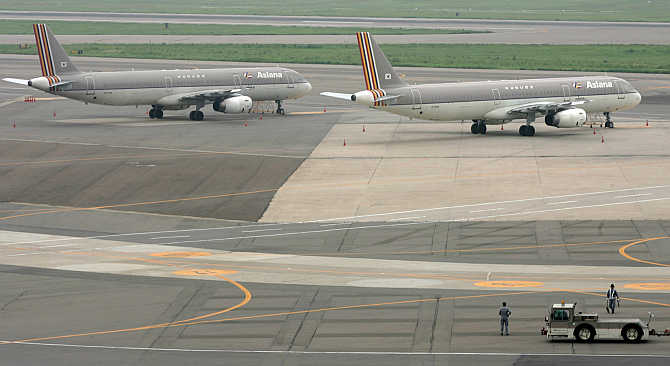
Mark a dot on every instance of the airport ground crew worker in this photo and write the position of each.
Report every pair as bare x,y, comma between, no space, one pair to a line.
504,313
612,298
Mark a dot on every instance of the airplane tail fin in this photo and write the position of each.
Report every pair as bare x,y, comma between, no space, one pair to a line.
377,70
53,58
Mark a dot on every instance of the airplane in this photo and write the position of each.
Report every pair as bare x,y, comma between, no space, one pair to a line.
231,90
564,102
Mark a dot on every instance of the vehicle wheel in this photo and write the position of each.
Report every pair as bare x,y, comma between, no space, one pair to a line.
152,113
631,333
523,130
482,129
191,116
158,114
474,128
585,333
531,131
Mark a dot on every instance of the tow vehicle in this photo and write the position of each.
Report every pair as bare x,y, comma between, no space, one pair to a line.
563,322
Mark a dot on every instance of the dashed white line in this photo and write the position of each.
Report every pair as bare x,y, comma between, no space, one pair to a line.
259,230
20,254
634,195
561,203
171,237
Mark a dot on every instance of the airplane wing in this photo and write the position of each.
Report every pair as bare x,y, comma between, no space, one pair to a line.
200,97
337,95
16,81
544,107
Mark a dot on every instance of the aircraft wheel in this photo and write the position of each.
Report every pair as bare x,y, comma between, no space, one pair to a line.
609,124
199,116
158,114
281,111
482,129
191,116
152,113
531,131
474,128
523,130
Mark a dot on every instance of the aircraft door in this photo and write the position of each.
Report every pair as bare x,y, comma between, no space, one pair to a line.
620,91
236,81
167,83
416,98
566,93
496,96
291,80
90,85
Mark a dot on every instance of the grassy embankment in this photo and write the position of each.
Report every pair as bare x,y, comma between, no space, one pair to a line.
612,58
601,10
97,28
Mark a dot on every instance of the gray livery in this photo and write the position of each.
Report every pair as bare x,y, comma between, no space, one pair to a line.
564,102
231,90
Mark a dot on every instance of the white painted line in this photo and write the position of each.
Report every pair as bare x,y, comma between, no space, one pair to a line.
634,195
337,223
171,237
380,353
17,255
564,208
259,230
407,218
488,209
57,245
297,233
561,203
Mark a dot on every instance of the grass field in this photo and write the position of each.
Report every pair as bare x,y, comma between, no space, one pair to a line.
619,58
608,10
63,27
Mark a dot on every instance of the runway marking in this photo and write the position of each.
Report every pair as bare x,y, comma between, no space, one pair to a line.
171,237
508,284
335,224
21,254
407,218
634,195
203,272
649,286
259,230
487,210
139,203
57,246
623,249
180,254
561,203
245,291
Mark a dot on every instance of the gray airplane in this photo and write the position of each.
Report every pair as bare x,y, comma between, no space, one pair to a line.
230,90
564,102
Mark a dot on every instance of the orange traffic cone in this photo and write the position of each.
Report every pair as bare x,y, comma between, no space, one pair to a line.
324,109
363,128
602,140
345,142
647,124
594,131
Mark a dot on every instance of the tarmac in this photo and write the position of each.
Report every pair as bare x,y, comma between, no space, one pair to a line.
125,240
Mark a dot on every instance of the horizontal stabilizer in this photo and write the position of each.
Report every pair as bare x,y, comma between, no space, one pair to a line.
16,81
337,95
388,97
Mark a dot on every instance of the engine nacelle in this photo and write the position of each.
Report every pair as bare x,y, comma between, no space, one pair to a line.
364,97
568,118
238,104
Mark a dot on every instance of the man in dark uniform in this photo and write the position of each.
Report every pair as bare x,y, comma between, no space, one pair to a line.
612,298
504,313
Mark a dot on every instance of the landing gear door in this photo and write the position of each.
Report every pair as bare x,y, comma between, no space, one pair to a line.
566,93
496,96
90,85
416,98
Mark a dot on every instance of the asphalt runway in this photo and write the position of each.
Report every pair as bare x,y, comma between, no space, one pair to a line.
504,31
125,240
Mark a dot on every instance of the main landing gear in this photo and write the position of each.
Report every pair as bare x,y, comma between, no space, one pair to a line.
197,114
527,130
608,120
156,112
280,110
478,127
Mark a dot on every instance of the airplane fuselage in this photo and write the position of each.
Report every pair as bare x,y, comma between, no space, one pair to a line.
481,100
156,86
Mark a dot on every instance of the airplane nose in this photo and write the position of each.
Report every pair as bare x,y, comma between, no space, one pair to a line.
309,87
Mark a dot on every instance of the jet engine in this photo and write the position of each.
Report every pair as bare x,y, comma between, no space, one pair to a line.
239,104
364,97
568,118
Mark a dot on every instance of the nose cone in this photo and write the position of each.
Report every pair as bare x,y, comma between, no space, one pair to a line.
309,87
638,98
40,83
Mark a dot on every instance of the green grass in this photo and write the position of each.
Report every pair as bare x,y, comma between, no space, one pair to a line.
614,58
66,27
608,10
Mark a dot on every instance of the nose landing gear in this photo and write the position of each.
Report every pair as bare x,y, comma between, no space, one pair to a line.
478,127
608,120
156,112
280,110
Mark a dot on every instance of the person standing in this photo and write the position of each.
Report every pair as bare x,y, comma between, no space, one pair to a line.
612,298
504,313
